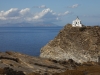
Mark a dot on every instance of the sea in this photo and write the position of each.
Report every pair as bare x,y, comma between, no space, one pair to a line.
26,40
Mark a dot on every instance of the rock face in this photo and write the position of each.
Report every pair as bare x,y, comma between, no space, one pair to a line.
81,44
14,63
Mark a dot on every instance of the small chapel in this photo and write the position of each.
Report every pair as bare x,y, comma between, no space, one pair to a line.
77,23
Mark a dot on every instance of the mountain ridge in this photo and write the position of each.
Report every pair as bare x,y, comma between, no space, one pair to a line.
23,24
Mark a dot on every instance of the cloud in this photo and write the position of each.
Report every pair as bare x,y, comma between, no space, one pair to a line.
65,13
74,6
11,12
45,12
24,11
15,15
45,15
42,6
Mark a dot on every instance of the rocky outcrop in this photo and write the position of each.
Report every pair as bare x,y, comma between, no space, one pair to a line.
82,44
14,63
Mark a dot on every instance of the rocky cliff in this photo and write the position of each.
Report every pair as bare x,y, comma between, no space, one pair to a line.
81,44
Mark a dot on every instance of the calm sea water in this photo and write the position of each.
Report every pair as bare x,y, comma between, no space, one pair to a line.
26,40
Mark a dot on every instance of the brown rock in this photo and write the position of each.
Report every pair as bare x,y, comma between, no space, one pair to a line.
81,44
14,63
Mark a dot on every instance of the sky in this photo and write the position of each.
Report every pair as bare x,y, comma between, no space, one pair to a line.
59,12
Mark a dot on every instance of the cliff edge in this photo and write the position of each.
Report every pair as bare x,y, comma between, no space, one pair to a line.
82,44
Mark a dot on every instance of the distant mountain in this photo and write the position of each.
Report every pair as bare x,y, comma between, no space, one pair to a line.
23,24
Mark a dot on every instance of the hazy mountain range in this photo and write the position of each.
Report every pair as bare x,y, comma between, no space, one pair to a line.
23,24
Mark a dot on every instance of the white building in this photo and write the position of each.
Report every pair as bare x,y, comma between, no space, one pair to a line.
76,23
